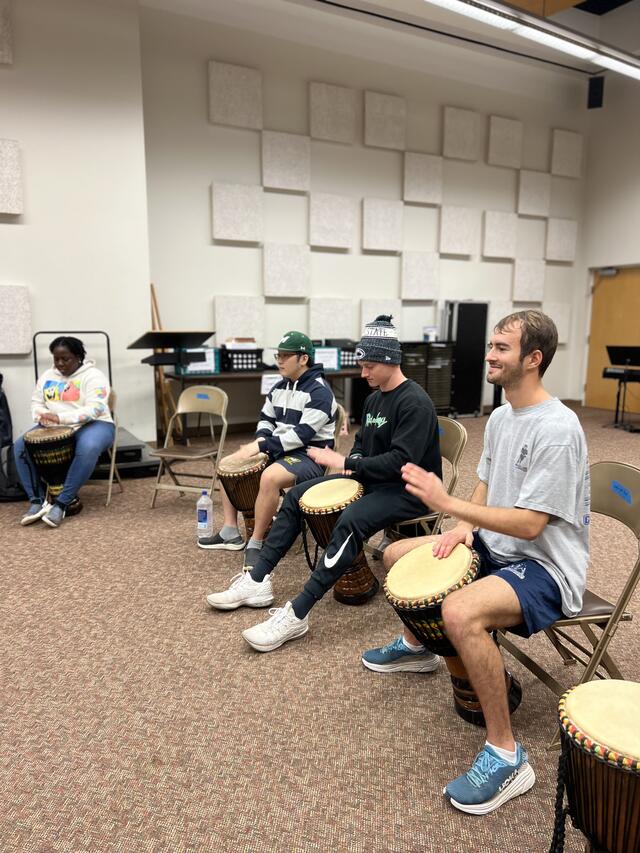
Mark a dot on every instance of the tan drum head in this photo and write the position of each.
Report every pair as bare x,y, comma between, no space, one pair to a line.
605,712
419,575
43,434
234,466
332,494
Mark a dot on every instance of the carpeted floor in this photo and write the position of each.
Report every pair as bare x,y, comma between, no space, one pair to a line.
137,719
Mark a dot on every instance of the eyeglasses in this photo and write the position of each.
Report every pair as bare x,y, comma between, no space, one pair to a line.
283,356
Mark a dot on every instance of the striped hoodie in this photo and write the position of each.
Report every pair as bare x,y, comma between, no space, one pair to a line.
297,414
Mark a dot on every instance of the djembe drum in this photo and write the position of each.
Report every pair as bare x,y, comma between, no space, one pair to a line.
416,586
241,481
51,449
321,506
600,765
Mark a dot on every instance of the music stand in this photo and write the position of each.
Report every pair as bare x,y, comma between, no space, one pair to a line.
627,357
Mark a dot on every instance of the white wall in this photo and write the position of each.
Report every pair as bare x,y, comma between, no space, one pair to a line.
73,100
185,154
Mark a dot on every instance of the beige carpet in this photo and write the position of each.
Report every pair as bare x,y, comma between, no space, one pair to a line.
136,719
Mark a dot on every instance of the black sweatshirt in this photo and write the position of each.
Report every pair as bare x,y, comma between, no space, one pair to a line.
398,426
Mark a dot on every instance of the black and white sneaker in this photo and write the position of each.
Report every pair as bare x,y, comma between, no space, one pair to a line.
217,543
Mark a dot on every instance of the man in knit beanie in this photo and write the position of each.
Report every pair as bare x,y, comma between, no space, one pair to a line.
380,342
399,425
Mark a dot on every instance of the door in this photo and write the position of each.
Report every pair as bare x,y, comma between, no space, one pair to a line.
615,321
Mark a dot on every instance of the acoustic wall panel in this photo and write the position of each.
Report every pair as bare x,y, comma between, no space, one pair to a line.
420,275
562,235
372,308
332,112
15,329
498,309
461,134
528,280
237,213
6,33
560,313
10,177
286,270
235,95
239,317
500,234
286,161
385,119
459,230
332,221
381,225
422,178
566,156
505,142
332,318
534,196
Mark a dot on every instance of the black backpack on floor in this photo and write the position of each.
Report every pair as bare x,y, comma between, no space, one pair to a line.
10,486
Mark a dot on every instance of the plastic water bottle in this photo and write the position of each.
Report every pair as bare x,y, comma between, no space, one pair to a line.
205,515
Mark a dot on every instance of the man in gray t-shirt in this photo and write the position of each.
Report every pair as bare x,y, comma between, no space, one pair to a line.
530,510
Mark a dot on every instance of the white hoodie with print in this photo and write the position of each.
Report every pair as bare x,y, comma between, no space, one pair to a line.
75,399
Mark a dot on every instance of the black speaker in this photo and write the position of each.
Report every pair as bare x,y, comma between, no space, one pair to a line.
595,95
466,324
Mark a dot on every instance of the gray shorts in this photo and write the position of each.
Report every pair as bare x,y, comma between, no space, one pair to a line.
302,467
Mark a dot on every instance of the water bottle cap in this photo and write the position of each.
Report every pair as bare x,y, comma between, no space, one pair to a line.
204,491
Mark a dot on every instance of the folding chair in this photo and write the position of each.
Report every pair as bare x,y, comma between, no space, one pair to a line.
111,453
615,492
200,400
453,440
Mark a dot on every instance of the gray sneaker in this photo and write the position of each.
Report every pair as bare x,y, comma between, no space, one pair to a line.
217,543
251,558
55,516
35,511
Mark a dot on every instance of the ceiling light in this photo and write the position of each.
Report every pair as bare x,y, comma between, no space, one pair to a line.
617,65
478,13
556,42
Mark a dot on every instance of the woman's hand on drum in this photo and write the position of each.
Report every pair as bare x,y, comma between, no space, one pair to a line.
327,457
460,535
426,486
49,419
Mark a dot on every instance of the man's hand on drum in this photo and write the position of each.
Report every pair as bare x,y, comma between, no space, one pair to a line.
426,486
247,450
461,534
327,457
49,419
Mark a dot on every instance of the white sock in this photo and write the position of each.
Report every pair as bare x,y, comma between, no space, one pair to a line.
411,647
505,754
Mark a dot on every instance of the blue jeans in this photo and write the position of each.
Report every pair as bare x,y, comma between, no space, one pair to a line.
90,441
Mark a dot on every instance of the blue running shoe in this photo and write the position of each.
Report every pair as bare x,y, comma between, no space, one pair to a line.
491,782
396,657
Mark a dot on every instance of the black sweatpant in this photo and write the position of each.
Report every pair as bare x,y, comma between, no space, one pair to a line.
375,510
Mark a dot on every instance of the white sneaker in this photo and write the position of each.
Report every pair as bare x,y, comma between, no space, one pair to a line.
282,626
35,512
243,591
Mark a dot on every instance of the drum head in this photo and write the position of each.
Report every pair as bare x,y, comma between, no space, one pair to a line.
234,466
332,494
419,575
43,434
605,712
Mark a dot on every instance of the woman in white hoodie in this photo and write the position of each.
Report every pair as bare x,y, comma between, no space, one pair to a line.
71,393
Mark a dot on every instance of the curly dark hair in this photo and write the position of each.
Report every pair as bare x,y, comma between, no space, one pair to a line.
74,345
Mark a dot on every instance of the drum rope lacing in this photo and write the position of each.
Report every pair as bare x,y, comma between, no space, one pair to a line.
312,564
561,811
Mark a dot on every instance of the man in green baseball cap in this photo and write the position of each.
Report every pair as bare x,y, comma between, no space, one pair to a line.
299,412
297,342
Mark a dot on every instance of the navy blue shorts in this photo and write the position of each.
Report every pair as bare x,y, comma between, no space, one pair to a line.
300,465
538,593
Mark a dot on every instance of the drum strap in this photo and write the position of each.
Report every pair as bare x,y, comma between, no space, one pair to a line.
311,563
557,843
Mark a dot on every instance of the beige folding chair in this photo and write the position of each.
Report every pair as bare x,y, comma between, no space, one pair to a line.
615,492
111,452
453,440
201,400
